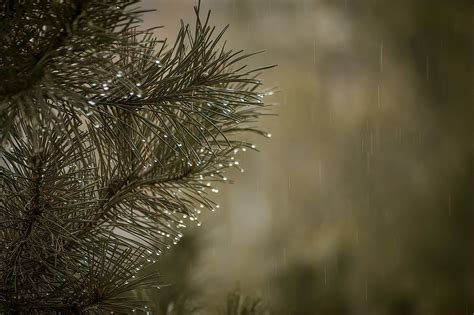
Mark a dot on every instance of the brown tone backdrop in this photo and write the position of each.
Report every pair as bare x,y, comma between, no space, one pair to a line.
362,201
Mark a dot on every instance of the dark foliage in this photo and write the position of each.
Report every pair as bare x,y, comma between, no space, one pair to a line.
110,143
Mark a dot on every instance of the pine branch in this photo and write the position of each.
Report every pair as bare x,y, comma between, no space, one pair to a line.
110,146
50,48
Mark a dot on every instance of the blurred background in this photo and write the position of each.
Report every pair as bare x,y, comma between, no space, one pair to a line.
362,201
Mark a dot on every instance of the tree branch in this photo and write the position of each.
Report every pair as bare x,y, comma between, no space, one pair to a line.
34,212
125,186
29,74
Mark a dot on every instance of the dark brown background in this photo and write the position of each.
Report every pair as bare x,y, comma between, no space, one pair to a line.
362,201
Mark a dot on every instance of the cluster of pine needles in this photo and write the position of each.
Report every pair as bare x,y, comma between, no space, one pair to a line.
112,141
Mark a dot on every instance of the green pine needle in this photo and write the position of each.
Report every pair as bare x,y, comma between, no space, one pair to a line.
109,141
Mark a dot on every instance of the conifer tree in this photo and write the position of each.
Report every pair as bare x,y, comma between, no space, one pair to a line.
112,141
